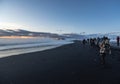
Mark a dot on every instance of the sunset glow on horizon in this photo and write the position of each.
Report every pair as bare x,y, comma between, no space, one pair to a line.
61,16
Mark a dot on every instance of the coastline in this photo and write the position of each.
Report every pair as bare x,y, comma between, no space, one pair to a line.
17,47
34,50
68,64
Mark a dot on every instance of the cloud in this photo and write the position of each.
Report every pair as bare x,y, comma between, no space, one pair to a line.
7,25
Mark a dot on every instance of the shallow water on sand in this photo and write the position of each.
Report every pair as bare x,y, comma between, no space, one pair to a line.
15,46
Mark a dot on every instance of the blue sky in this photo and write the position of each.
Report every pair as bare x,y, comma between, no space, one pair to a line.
61,16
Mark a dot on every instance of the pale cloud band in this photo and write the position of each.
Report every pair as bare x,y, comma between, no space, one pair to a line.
7,25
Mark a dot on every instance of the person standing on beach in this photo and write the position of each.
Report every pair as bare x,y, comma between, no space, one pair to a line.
102,53
88,40
84,41
98,41
118,40
104,50
91,41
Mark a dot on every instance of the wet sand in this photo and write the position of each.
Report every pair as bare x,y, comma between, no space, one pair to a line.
69,64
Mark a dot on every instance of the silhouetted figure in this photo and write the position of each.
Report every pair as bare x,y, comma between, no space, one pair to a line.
118,40
92,41
98,41
84,41
88,40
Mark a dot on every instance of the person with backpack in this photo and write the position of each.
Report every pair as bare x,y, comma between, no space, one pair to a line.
104,50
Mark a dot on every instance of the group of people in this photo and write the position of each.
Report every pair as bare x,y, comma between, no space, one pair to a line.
92,41
102,43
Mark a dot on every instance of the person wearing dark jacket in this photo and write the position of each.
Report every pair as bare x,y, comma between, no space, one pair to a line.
118,40
84,41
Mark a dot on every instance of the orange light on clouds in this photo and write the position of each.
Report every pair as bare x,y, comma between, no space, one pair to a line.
13,37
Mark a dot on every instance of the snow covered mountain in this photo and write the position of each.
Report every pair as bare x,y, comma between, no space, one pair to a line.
10,32
111,35
21,32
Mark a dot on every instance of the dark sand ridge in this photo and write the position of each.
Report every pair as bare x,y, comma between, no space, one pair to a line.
69,64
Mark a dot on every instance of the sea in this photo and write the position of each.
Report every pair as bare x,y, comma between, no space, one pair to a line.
16,46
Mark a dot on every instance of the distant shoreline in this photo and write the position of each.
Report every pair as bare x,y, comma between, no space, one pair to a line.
18,37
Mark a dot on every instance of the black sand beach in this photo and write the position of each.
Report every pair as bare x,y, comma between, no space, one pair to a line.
69,64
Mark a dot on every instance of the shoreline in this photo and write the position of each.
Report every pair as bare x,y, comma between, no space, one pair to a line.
10,52
68,64
49,48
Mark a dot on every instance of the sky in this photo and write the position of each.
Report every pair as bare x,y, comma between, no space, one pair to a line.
61,16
